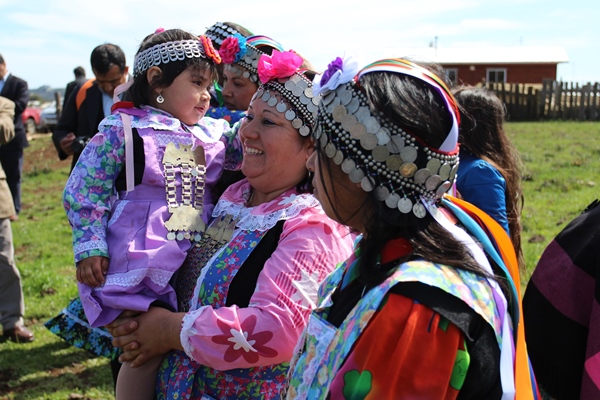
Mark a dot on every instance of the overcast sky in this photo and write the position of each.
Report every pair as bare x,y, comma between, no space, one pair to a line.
43,40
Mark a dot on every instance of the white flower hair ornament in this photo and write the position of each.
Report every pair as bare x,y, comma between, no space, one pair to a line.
339,71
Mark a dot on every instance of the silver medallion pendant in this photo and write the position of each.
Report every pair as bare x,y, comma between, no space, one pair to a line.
405,205
419,210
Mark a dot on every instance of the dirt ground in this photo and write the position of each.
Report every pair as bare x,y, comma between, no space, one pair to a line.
41,153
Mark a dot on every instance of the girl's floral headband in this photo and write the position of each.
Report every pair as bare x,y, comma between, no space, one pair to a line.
174,51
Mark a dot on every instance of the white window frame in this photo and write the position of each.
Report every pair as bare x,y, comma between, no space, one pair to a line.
495,71
449,71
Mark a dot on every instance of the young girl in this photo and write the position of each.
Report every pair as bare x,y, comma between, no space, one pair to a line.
142,187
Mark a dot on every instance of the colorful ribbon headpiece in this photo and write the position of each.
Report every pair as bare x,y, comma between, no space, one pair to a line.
372,149
177,50
406,67
286,88
241,55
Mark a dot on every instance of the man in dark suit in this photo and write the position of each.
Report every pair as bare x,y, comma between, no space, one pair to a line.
12,306
90,103
71,86
11,154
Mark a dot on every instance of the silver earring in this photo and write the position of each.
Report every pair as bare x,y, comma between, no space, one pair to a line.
160,99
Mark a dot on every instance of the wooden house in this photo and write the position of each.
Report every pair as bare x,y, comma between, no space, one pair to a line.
470,65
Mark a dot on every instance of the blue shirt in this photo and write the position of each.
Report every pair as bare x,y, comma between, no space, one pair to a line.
3,81
482,185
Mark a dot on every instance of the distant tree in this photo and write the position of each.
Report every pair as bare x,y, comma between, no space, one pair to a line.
35,96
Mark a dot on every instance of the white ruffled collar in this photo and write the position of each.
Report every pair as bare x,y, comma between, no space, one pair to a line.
150,117
263,217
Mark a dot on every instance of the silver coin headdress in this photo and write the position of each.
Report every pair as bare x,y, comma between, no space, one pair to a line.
241,55
219,32
286,88
375,152
177,50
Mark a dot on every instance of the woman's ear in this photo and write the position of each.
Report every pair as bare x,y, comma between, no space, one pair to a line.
310,148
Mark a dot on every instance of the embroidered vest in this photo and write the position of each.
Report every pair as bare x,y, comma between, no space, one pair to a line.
325,348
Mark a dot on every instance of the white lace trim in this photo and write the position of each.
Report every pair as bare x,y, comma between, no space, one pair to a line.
91,245
81,322
117,211
133,278
169,123
295,204
164,138
187,330
208,132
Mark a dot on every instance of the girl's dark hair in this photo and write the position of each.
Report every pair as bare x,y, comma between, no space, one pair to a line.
482,134
141,90
417,108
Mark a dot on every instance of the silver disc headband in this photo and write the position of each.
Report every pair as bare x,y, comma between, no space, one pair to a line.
166,52
219,32
247,66
301,104
379,155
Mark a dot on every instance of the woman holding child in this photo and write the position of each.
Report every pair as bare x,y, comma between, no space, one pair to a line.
246,289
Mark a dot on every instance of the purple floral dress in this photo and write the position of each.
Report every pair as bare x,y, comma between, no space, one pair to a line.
129,227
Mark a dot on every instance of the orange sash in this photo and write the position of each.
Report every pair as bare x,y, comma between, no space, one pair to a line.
525,385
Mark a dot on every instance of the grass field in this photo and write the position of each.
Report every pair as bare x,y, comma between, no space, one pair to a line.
562,160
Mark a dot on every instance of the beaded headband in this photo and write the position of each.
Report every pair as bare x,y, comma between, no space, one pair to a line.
219,32
242,54
288,90
177,50
375,152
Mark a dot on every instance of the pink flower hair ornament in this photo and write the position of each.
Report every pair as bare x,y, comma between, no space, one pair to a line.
278,65
233,49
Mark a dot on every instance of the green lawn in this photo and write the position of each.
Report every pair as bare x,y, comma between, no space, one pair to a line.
561,160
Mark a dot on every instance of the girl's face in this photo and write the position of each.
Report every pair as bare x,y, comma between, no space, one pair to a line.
237,90
341,199
274,152
187,98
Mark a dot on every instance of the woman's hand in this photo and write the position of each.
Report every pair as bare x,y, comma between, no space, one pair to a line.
146,335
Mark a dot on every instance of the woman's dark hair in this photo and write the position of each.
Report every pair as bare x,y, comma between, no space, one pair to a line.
482,134
142,90
417,108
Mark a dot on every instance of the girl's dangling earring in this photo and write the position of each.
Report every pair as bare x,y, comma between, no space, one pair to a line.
160,99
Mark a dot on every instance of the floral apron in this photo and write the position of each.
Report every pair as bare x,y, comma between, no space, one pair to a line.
193,380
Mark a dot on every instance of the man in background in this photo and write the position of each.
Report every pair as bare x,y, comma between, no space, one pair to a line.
90,103
71,86
11,155
12,306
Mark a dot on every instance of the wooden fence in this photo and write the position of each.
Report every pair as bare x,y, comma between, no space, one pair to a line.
554,101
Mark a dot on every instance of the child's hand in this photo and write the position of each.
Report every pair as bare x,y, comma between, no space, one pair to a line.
92,270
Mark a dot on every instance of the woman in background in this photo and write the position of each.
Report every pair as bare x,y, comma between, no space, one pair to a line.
489,174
